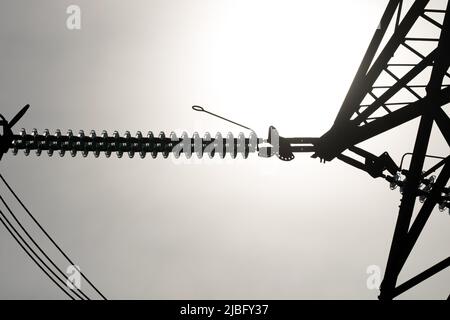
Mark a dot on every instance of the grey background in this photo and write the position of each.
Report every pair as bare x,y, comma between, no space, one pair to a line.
259,228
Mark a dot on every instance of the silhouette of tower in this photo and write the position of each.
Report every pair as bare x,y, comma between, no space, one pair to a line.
417,88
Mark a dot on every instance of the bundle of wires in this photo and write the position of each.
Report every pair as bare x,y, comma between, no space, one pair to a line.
36,252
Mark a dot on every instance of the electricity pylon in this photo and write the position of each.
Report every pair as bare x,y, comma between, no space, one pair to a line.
384,94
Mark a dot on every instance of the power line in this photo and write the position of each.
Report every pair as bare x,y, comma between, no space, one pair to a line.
48,236
10,228
39,247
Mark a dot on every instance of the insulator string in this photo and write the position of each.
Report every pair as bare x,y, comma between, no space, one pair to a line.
85,144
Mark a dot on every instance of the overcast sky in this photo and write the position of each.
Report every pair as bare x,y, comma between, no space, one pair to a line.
243,229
